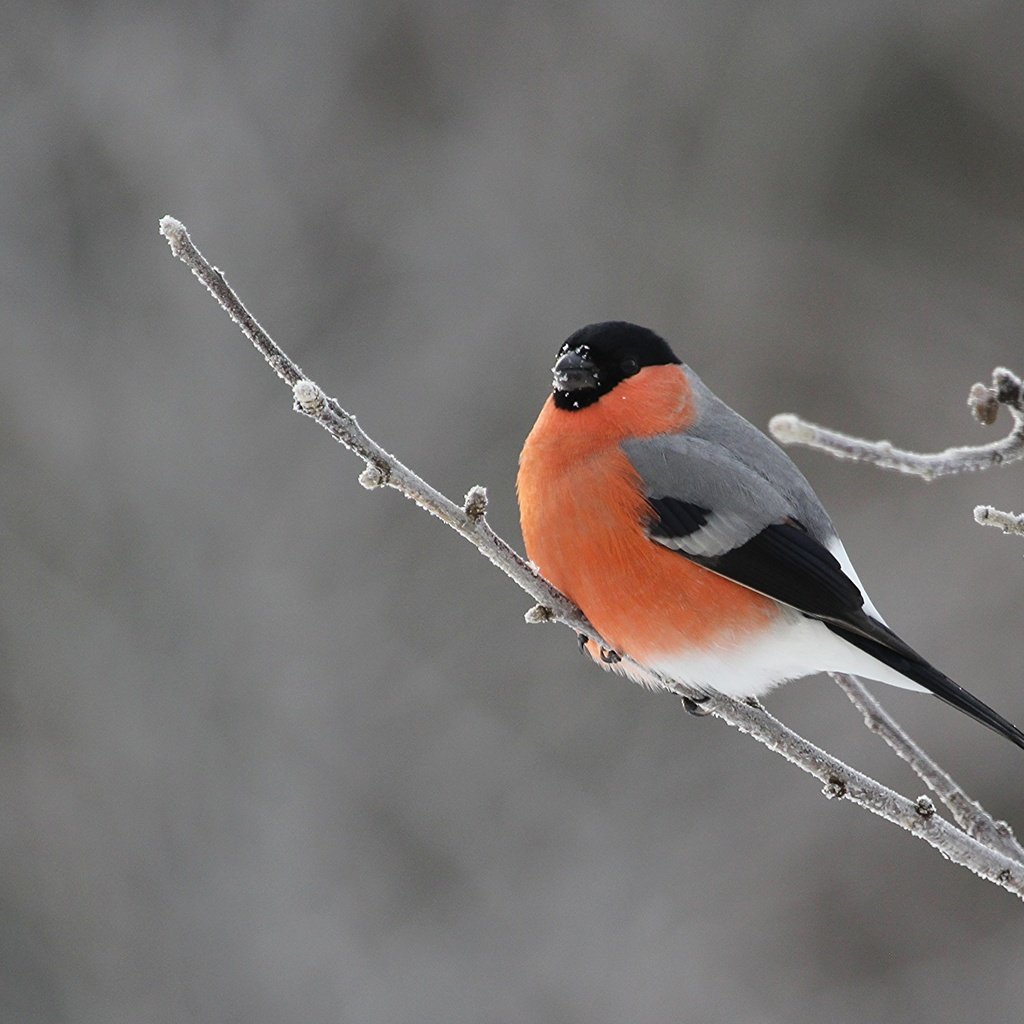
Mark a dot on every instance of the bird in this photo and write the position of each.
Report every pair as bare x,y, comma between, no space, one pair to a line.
690,540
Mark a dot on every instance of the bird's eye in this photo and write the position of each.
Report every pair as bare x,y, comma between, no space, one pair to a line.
629,367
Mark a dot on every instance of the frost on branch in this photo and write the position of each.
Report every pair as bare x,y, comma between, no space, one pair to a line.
371,477
308,397
1008,522
924,806
958,844
984,402
175,233
475,504
539,613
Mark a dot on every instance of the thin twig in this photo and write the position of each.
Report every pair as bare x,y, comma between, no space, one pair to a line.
1008,522
968,813
984,401
382,468
918,816
469,520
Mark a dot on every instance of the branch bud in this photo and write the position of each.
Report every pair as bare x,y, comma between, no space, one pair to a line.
372,477
984,404
475,504
308,397
834,789
539,613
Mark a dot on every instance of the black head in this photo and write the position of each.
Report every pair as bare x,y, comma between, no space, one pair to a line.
596,358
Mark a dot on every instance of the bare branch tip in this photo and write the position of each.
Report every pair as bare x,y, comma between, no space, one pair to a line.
308,397
1008,522
1007,386
790,429
175,233
475,504
539,613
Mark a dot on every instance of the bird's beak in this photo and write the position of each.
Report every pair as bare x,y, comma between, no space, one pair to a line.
572,372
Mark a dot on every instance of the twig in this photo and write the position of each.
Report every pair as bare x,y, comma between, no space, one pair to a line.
469,520
1008,522
382,468
918,816
984,401
968,813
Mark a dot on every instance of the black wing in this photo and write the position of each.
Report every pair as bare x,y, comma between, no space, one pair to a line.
785,562
782,561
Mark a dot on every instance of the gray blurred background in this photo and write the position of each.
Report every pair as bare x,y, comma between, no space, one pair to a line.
277,749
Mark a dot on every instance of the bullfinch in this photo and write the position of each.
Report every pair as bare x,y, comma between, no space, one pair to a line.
690,540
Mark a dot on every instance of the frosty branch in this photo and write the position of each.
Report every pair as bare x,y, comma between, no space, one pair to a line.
1008,522
984,401
968,813
969,845
1006,390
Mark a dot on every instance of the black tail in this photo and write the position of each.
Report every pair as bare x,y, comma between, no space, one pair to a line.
913,666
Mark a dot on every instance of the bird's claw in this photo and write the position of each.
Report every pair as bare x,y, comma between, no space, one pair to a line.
694,706
607,655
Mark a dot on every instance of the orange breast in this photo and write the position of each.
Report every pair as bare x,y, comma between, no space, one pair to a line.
583,515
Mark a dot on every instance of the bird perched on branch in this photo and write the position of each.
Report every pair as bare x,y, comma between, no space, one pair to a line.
690,540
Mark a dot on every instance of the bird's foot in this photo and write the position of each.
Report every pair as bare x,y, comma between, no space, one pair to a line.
606,654
695,706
